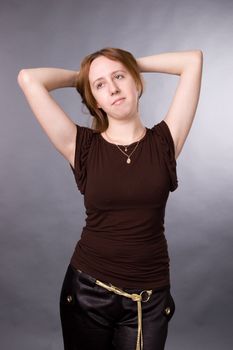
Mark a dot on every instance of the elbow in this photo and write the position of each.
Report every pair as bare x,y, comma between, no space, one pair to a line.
200,59
23,77
196,59
198,55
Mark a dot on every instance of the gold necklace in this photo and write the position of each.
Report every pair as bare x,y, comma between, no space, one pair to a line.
128,161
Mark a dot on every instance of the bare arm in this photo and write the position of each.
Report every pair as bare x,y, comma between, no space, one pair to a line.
188,65
36,84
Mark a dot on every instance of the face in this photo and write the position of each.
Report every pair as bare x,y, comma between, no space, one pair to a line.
109,81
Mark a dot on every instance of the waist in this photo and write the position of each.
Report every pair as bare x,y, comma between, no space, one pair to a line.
119,250
129,270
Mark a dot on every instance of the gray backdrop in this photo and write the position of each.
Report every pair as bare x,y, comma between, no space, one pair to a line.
42,212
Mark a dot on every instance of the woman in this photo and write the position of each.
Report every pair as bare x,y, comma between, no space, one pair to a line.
116,292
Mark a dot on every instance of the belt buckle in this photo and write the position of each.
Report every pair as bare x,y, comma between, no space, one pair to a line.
149,292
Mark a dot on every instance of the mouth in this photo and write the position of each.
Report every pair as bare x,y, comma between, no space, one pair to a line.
118,101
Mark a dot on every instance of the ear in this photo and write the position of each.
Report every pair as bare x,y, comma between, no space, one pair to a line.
97,104
138,89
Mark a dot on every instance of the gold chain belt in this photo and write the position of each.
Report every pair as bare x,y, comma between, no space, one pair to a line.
134,297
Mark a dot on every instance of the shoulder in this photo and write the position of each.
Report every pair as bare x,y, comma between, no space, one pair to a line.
84,135
164,134
166,144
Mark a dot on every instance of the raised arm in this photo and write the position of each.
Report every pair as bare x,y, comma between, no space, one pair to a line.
188,65
36,84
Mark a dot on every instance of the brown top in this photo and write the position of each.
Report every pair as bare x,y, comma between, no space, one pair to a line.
123,241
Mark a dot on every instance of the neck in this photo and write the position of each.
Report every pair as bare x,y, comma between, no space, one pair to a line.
125,132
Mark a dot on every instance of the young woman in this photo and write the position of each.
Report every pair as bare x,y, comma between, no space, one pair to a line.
116,292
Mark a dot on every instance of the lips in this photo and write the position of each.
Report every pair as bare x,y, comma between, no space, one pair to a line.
119,99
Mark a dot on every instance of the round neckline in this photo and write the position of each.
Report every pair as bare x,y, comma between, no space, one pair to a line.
133,143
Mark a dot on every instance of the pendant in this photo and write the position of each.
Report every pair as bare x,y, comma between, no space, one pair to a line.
128,160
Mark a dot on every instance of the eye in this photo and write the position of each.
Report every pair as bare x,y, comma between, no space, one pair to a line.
99,85
119,76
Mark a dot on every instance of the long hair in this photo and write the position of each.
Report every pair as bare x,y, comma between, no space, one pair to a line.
100,119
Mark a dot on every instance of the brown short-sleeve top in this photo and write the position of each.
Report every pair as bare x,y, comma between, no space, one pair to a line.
123,241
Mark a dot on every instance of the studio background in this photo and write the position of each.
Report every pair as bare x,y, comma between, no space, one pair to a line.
42,211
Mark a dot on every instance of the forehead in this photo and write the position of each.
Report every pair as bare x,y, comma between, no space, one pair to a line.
103,66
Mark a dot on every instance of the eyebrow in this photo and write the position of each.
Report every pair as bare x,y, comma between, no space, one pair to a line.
118,70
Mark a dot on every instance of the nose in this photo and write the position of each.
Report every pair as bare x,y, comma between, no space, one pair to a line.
113,88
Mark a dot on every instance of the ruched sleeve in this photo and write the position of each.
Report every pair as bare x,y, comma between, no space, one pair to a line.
84,137
165,140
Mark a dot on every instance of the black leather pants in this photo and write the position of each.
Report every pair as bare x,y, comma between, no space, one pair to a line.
94,318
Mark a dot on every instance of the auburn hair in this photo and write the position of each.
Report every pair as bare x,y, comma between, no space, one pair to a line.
100,119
